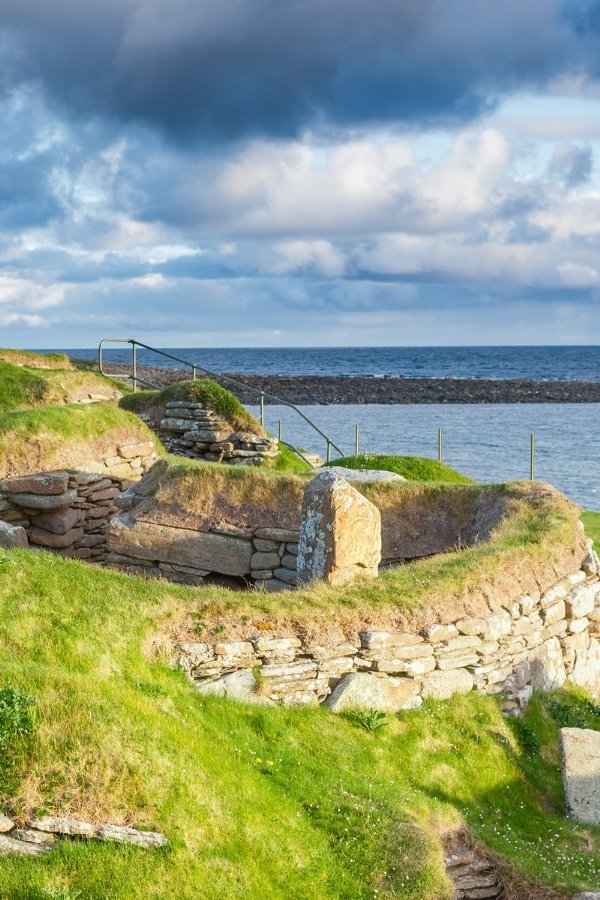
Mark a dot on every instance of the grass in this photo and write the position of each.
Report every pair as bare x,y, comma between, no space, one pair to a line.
256,801
23,387
35,360
204,391
413,468
591,522
44,438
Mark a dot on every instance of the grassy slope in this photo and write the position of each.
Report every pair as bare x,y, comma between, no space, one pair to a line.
414,468
591,521
257,802
35,360
23,387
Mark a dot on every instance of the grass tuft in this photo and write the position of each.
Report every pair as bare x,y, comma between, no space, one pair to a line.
414,468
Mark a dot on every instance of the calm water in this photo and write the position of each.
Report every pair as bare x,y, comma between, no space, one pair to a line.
488,442
543,363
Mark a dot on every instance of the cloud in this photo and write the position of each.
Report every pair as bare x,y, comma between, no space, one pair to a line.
200,70
572,164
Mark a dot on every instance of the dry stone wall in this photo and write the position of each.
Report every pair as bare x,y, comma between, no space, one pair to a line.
68,511
535,641
190,429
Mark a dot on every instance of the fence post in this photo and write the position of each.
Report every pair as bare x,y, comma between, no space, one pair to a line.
440,445
280,430
193,373
532,457
262,410
134,366
357,440
328,453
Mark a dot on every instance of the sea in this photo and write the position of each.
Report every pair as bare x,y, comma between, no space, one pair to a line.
489,442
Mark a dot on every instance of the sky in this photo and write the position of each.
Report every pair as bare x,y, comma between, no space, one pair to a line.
299,173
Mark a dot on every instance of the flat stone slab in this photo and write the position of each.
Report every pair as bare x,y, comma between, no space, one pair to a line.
124,835
44,502
580,754
360,690
10,846
62,825
183,546
364,475
45,483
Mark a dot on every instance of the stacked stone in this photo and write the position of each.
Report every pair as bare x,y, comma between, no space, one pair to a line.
474,876
189,429
533,642
38,836
68,511
275,559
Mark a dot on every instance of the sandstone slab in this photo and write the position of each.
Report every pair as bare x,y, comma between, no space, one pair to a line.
62,825
10,846
443,685
124,835
340,533
47,483
198,549
45,501
362,690
580,753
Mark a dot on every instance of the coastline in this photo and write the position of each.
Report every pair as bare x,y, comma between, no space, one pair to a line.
327,389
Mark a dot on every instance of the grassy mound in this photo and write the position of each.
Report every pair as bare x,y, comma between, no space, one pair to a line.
414,468
27,387
63,436
203,391
591,521
256,801
36,360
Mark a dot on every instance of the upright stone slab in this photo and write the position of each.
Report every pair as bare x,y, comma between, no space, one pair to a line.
580,752
340,533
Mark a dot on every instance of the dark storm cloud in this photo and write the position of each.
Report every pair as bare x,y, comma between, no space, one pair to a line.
225,69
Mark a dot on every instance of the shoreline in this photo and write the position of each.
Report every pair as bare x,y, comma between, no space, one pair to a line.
307,390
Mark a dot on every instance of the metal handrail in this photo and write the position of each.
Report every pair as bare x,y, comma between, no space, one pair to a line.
134,377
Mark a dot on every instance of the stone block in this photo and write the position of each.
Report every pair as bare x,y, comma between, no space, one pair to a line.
45,501
121,834
286,575
59,522
471,626
197,549
580,756
265,546
12,537
442,685
10,846
340,533
497,625
554,613
580,601
140,448
264,560
47,483
376,640
44,538
436,633
321,652
6,823
62,825
280,535
547,666
362,690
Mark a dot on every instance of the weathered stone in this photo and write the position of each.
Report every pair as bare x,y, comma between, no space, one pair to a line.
31,836
412,667
335,651
45,501
177,424
365,475
107,494
576,626
9,846
265,546
58,522
280,535
580,601
6,823
266,644
497,625
264,560
464,642
442,685
140,448
234,648
198,549
359,689
554,613
408,651
286,575
289,561
340,533
547,667
62,825
12,536
471,626
123,835
48,483
580,753
123,470
240,685
436,633
47,539
376,640
459,661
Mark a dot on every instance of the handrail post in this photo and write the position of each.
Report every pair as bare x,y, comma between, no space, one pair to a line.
280,431
440,445
100,349
532,457
328,452
134,365
357,440
193,373
262,410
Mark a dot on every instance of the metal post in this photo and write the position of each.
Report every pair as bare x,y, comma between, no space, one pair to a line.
328,454
280,430
134,365
193,373
440,445
262,410
357,439
532,457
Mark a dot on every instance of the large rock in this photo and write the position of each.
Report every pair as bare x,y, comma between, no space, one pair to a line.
443,685
49,539
360,690
340,533
59,522
580,752
45,502
548,667
45,483
12,536
239,685
183,546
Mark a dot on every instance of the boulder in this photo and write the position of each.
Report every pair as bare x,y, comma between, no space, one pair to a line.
12,536
340,533
443,685
184,546
580,756
364,691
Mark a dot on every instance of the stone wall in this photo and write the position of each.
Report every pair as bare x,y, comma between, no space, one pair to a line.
533,641
189,429
68,510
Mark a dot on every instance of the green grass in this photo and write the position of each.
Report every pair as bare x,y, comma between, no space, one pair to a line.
35,360
204,391
23,387
591,522
257,802
414,468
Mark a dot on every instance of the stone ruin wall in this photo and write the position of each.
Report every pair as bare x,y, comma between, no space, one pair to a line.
68,511
535,641
189,429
